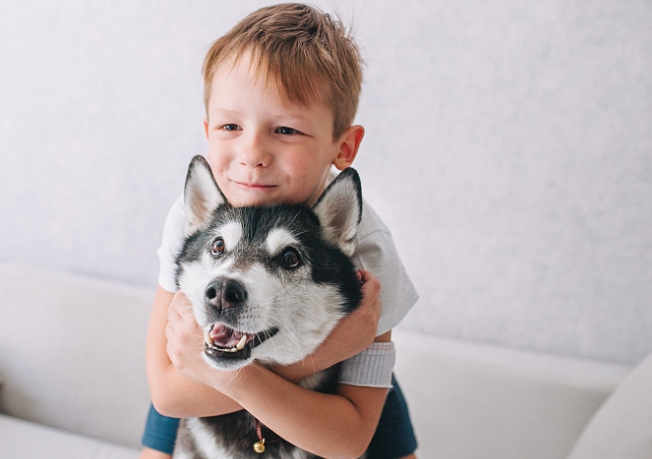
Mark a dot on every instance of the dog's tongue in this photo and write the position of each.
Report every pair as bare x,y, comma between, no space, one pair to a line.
224,336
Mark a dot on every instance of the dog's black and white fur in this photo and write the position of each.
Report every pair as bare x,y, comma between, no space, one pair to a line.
266,284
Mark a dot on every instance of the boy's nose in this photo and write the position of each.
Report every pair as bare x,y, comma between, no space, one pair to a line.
254,152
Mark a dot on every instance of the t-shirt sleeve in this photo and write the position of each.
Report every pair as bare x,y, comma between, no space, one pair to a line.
173,236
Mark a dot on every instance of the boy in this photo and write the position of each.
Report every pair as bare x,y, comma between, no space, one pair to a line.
281,92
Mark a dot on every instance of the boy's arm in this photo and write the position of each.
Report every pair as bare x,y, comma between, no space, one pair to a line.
172,393
326,425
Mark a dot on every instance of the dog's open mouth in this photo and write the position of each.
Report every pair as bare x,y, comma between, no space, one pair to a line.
224,342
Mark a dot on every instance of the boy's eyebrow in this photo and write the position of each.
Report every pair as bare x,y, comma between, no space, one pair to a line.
294,117
285,117
224,111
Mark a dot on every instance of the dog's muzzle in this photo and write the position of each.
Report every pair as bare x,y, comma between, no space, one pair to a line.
224,342
226,299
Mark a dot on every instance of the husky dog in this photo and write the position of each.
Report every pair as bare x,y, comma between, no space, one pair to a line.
266,284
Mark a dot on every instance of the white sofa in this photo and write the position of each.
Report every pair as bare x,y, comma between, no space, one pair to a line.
73,384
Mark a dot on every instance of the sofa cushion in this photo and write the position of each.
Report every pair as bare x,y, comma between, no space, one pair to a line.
622,427
25,440
471,400
73,353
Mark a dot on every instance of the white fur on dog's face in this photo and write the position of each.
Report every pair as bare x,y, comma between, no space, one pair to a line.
303,312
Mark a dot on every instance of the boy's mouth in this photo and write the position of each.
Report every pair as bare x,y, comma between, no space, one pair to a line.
254,185
222,341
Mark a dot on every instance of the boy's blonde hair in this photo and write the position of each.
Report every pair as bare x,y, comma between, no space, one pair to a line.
312,57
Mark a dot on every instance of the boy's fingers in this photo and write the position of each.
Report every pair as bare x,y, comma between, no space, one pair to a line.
367,276
180,307
370,284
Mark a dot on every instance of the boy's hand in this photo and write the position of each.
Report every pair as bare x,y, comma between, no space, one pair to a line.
186,346
185,340
353,334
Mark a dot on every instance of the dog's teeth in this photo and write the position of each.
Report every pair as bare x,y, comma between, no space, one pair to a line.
238,347
207,335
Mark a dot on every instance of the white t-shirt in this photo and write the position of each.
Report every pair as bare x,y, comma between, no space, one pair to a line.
375,253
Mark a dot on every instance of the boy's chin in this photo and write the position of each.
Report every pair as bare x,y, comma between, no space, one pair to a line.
249,196
266,198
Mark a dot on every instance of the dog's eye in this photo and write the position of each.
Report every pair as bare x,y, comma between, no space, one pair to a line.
290,258
218,246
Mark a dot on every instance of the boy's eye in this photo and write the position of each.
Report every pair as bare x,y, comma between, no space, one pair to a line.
230,127
284,130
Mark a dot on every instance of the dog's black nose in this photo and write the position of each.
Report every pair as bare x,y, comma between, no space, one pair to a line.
225,293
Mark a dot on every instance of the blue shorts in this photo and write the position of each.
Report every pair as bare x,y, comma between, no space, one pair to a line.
394,437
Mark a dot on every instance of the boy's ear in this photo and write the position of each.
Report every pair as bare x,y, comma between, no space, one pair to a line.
348,147
206,127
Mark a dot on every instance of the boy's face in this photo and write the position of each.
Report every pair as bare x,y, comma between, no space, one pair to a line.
264,150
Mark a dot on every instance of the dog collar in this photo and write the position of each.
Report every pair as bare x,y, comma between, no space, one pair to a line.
259,446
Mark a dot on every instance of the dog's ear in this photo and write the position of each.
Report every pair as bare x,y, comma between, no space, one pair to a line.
201,194
340,209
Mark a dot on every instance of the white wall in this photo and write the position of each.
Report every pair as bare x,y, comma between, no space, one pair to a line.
509,148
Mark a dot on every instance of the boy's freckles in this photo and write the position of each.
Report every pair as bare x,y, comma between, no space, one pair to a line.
263,149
